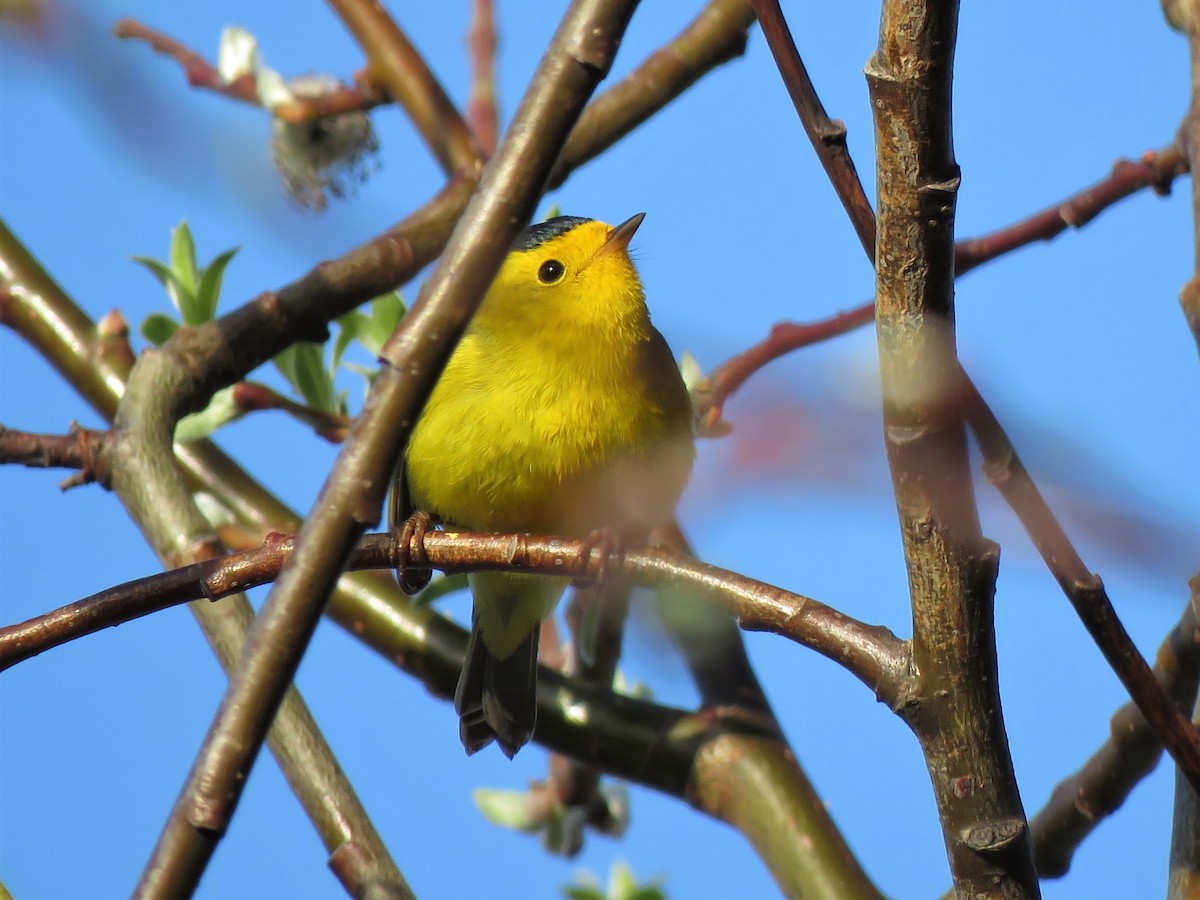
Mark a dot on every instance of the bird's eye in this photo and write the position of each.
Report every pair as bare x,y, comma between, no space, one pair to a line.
550,271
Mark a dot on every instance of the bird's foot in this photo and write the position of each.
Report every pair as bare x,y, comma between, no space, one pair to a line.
609,543
412,569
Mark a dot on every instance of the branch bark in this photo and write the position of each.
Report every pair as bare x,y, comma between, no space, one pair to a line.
955,708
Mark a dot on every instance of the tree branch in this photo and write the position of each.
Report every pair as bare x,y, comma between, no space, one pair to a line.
1154,169
80,448
1082,587
394,63
200,73
955,708
1080,803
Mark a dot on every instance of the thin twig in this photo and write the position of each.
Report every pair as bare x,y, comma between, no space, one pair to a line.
1156,170
200,73
482,107
827,137
80,448
1082,587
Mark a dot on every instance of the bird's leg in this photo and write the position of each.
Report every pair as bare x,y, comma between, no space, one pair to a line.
412,569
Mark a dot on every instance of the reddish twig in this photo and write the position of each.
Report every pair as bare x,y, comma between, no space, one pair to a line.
80,448
827,136
200,73
1082,587
393,62
1155,169
482,110
251,396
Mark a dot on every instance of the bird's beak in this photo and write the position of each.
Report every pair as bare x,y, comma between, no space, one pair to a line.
619,237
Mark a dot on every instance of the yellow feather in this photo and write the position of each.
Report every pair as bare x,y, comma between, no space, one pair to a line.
561,411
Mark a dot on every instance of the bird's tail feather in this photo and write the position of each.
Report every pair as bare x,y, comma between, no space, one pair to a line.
496,699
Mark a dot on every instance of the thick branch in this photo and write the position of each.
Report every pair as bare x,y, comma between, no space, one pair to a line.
951,568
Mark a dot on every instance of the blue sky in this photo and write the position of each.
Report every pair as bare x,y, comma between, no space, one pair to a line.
1080,348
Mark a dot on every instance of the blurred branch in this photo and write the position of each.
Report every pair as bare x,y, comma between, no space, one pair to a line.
955,707
202,74
482,108
1155,169
1082,587
395,64
34,306
1080,803
80,448
578,56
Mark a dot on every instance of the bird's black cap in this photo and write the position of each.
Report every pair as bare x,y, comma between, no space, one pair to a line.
536,235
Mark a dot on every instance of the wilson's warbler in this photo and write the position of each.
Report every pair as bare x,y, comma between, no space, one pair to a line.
560,412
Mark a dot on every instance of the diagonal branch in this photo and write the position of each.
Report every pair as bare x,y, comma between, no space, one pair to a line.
827,137
1082,587
579,55
96,362
1080,803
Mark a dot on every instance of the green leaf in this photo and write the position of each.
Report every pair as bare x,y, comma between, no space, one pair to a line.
285,362
168,279
386,313
221,410
508,809
209,290
312,380
349,328
157,328
183,258
582,892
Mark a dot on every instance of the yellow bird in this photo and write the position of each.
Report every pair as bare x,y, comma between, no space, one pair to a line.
560,412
